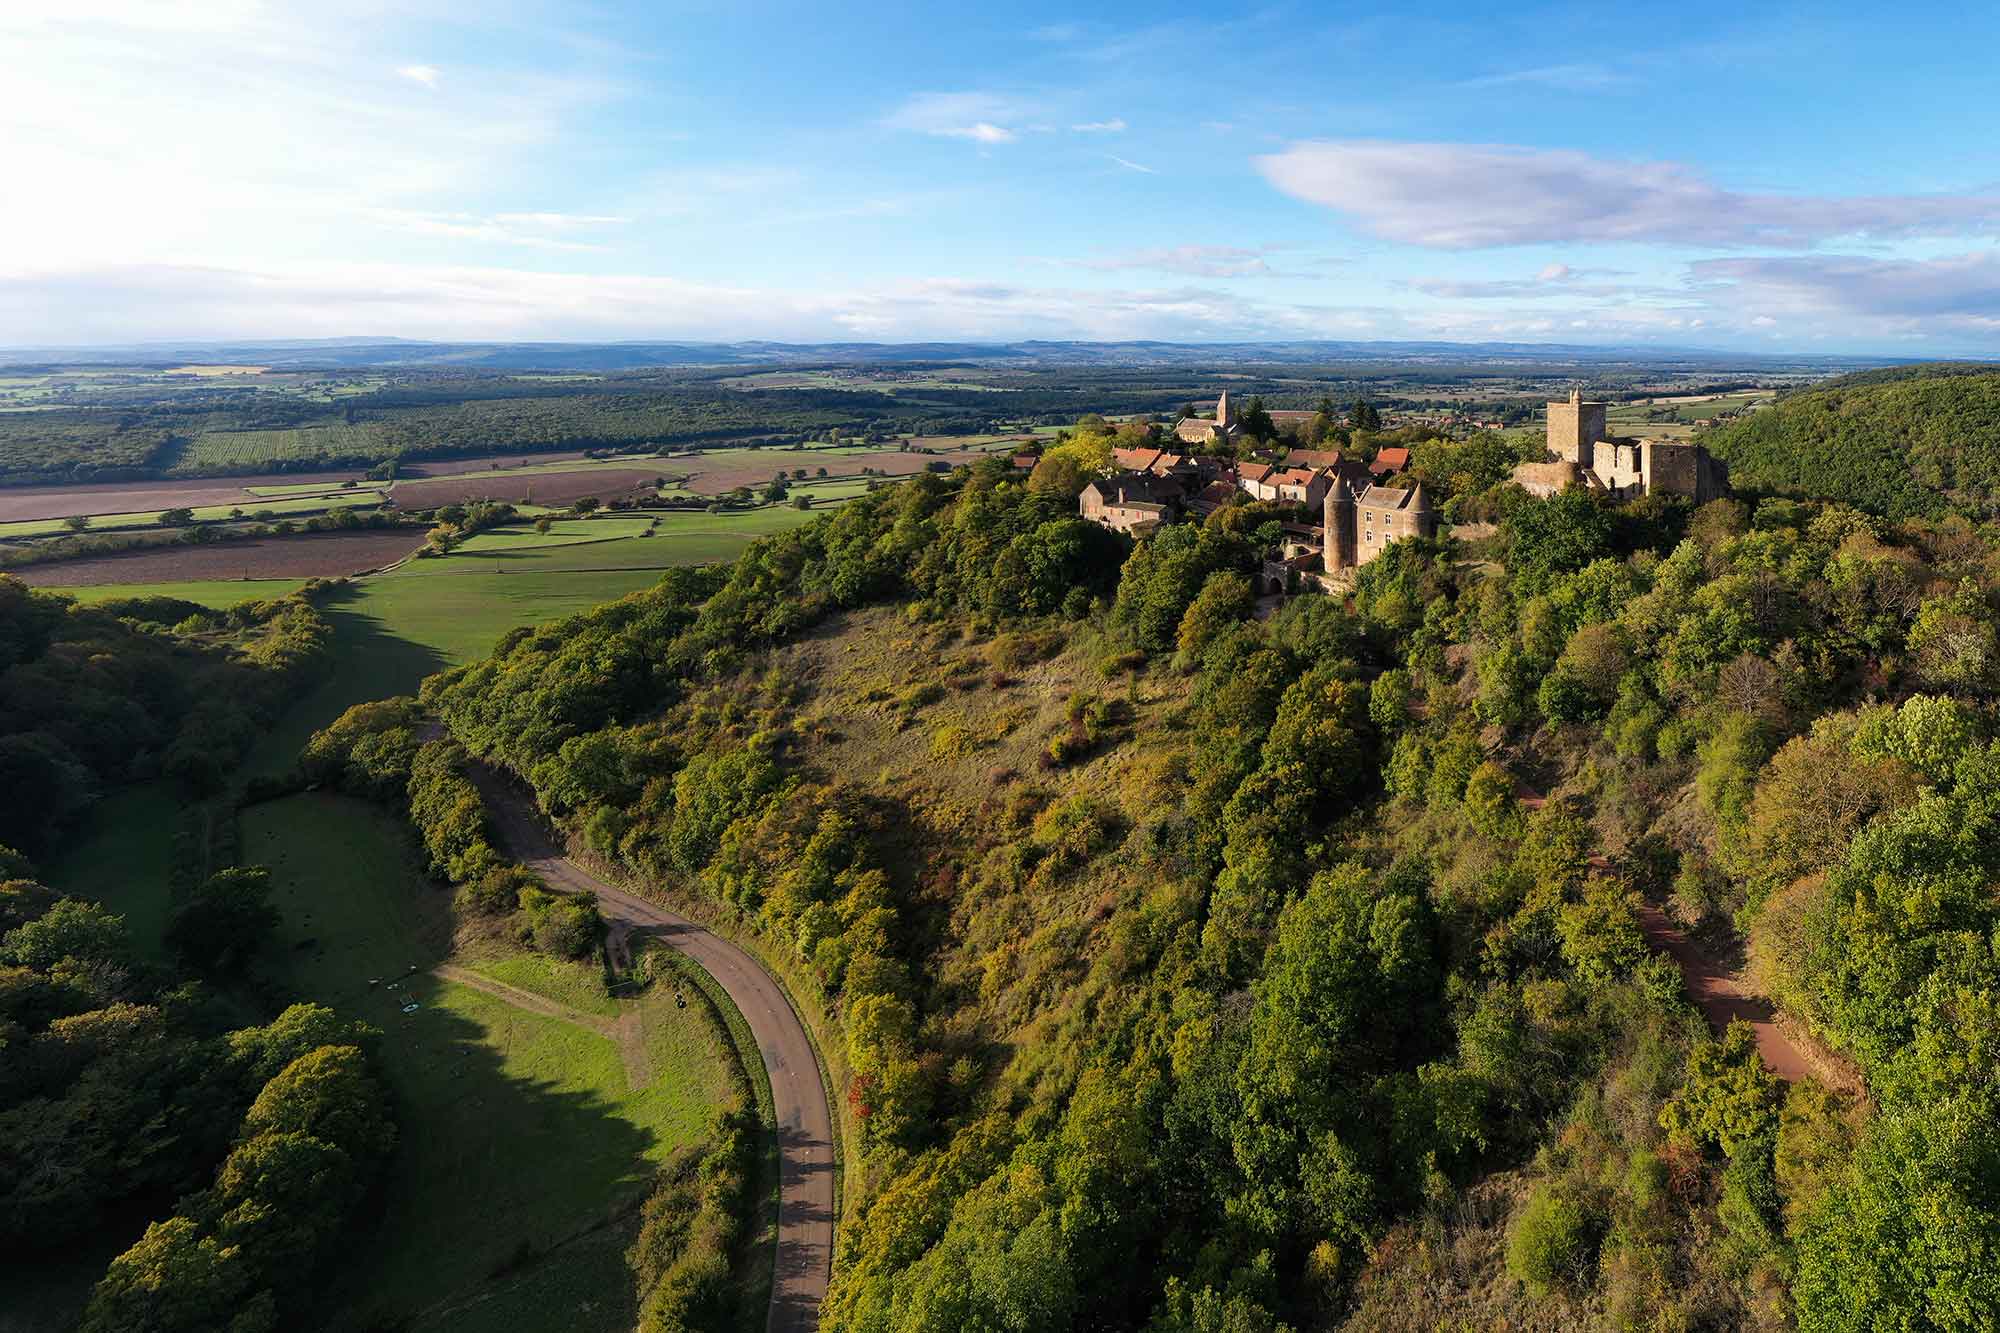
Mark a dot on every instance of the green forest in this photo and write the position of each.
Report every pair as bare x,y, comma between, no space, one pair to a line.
1911,441
1294,972
1176,967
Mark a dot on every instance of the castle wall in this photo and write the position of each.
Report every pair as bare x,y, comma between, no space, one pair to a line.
1684,469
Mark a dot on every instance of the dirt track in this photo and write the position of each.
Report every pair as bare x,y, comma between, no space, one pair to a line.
1722,998
805,1124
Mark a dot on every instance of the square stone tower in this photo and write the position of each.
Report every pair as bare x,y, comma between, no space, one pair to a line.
1575,427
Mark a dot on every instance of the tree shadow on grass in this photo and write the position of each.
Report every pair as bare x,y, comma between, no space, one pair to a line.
369,662
492,1172
513,1136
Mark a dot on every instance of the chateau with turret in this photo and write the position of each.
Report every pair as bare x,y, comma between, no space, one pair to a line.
1359,526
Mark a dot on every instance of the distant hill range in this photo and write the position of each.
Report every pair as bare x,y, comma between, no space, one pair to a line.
336,353
1906,441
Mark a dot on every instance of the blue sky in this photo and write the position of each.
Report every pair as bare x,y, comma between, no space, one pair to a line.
1794,178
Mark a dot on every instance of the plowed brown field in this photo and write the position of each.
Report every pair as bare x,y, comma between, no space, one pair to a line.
311,555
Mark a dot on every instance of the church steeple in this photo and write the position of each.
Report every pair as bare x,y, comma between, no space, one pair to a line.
1223,416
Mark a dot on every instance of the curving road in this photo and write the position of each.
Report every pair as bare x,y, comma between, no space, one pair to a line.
798,1096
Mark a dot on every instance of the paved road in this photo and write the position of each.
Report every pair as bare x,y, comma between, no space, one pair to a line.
805,1126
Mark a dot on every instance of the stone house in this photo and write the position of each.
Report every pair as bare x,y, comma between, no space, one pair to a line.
1132,502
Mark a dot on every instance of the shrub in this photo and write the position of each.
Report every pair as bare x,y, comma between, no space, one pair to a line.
562,924
1551,1241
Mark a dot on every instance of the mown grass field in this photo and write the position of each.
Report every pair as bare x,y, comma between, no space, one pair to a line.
292,508
218,593
562,532
519,1133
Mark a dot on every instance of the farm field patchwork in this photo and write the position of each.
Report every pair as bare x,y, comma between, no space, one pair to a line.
292,508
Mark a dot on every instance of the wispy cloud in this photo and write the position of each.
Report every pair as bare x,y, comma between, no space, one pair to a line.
1193,261
1576,78
558,219
1553,281
984,131
1950,293
1474,196
427,75
539,231
987,118
137,303
1130,165
1113,126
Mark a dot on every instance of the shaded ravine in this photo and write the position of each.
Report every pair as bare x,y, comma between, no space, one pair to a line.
798,1094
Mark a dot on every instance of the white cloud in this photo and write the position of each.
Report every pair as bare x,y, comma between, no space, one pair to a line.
227,97
1950,294
557,220
1473,196
1554,280
150,302
1115,125
1194,261
1575,78
984,131
1130,165
988,118
427,75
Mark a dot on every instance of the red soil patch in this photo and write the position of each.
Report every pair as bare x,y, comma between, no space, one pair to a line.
311,555
20,503
1722,998
726,474
453,467
543,488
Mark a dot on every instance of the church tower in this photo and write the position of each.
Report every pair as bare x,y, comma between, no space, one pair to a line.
1337,533
1223,416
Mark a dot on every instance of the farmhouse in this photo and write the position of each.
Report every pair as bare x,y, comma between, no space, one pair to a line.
1389,461
1132,502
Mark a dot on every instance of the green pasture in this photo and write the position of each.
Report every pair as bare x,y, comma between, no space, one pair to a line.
219,594
315,488
292,508
562,532
519,1133
122,856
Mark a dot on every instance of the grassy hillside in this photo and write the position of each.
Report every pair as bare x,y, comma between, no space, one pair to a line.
1904,442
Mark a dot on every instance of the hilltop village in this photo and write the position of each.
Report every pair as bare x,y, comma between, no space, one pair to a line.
1351,510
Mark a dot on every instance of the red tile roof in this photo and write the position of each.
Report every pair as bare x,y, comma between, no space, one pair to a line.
1390,460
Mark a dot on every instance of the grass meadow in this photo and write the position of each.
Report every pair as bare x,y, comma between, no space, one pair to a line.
298,507
521,1140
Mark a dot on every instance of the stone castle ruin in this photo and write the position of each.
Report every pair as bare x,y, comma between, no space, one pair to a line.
1587,454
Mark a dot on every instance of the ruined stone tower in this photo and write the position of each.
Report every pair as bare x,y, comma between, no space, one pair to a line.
1575,428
